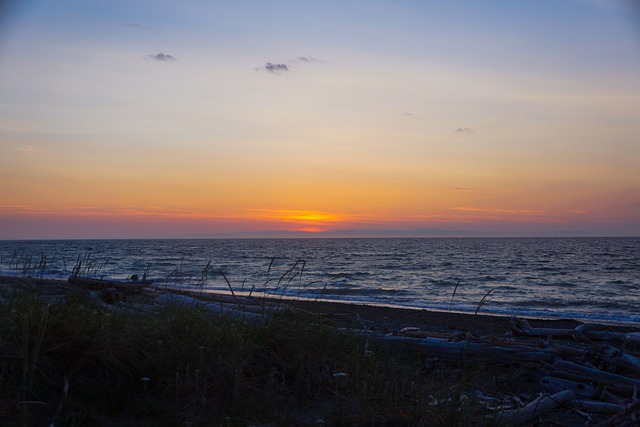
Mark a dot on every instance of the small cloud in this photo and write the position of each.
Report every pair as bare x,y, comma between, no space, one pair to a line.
276,68
162,57
408,115
464,130
283,67
308,59
28,149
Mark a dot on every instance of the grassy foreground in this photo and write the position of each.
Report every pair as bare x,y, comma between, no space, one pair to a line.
80,362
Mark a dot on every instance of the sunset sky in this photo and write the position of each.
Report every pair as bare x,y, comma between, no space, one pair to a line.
319,118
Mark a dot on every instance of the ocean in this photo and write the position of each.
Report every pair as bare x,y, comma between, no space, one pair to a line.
591,279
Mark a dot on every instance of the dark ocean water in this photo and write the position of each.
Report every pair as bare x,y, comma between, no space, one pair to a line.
584,278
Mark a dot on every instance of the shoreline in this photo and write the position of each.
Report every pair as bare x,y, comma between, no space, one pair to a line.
368,316
380,317
487,313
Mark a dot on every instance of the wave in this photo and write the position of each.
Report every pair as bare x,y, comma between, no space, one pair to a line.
369,292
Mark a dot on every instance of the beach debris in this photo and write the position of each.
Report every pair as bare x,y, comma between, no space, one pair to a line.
462,350
102,284
554,385
590,373
585,332
540,406
631,411
614,357
227,309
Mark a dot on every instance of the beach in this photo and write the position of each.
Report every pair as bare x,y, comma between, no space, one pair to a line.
296,361
375,318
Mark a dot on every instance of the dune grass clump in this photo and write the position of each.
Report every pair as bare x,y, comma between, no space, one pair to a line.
79,362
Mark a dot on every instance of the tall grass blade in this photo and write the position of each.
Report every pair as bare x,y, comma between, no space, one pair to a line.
224,276
482,301
455,289
270,264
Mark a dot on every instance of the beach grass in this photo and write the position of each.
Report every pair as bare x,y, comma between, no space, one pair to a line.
79,362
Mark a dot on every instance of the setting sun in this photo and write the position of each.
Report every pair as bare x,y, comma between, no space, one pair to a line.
302,221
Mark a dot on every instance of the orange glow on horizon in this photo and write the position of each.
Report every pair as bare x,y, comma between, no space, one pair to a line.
311,229
312,219
303,220
299,215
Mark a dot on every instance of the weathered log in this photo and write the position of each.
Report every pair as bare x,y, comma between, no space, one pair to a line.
615,357
622,389
420,333
596,332
607,396
467,349
585,332
212,307
565,351
542,405
620,418
101,284
632,343
596,375
521,327
597,407
215,296
555,385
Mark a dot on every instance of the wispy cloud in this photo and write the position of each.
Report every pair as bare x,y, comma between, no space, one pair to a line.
28,149
408,115
162,57
308,59
276,68
507,211
464,130
283,67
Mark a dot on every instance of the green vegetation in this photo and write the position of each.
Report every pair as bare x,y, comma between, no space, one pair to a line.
78,362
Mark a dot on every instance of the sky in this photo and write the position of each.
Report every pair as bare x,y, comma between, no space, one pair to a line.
310,118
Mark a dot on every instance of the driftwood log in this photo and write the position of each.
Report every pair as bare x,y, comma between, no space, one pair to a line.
540,406
461,350
554,385
622,417
616,357
101,284
585,332
594,375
